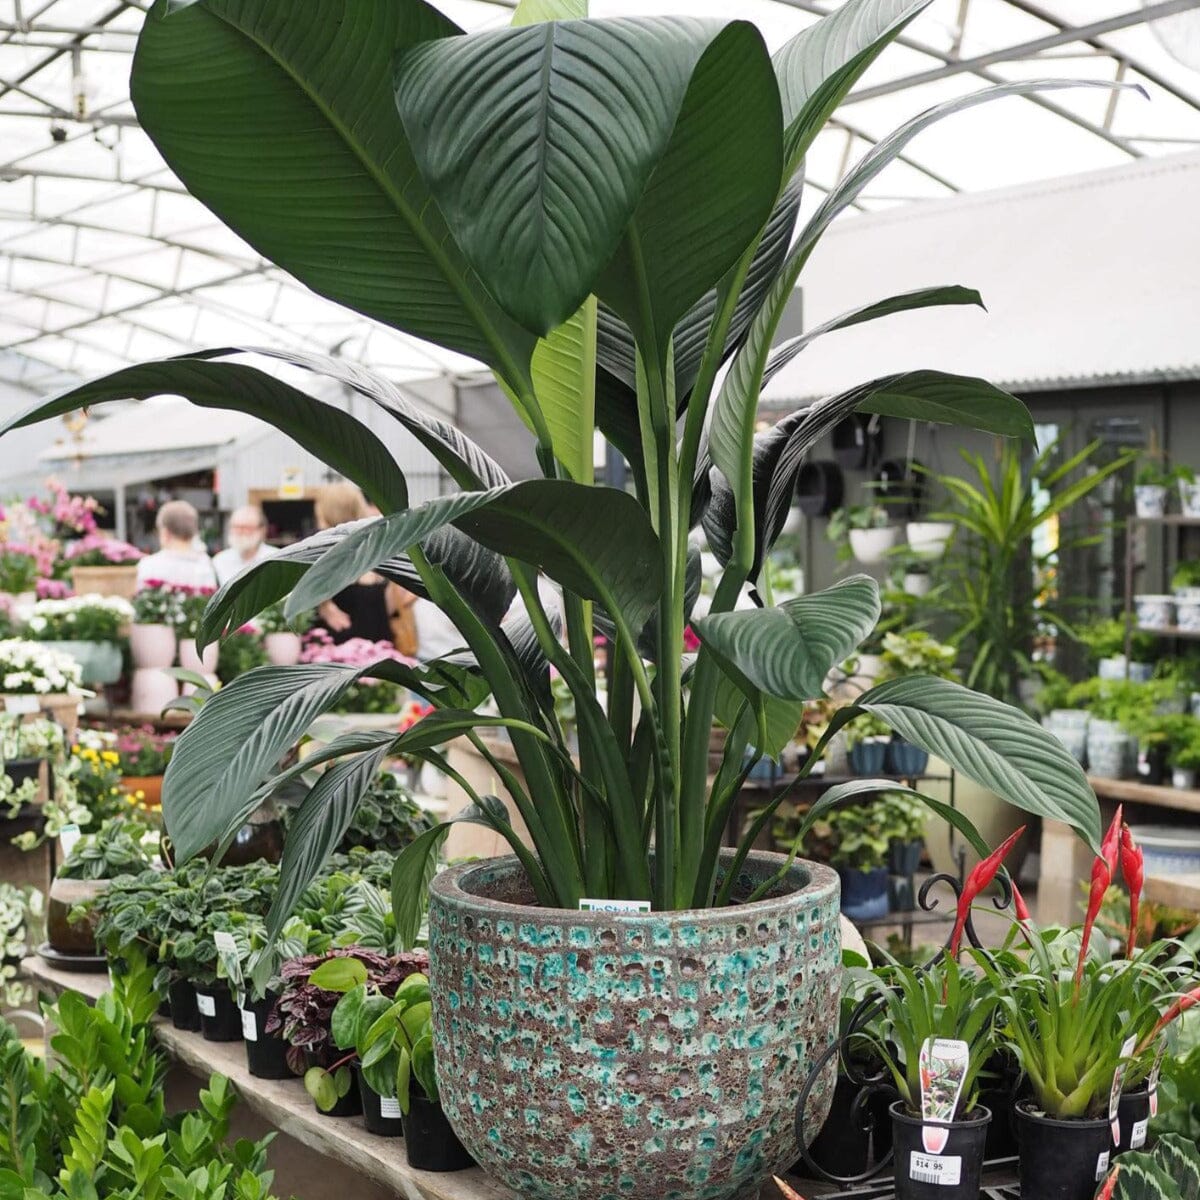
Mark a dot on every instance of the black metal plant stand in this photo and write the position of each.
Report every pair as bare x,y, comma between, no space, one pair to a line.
871,1089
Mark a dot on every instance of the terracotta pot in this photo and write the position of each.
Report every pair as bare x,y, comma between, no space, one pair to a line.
637,1054
204,664
149,785
105,581
152,645
151,689
283,649
67,938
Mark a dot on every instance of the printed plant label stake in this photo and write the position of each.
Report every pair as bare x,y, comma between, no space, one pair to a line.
249,1025
68,837
1114,1096
1155,1071
943,1064
614,906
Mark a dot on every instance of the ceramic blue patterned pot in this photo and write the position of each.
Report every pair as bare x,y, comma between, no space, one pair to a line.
655,1056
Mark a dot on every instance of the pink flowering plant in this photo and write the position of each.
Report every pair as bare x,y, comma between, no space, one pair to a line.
369,694
157,603
97,549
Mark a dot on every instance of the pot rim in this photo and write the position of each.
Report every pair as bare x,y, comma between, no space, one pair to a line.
449,886
1025,1112
979,1115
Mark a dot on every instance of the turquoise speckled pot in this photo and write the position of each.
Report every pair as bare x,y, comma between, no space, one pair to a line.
654,1056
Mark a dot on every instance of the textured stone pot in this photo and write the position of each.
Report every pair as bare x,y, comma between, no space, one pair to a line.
64,936
655,1056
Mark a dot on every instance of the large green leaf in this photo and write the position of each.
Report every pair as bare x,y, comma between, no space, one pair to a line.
239,736
530,12
822,63
325,430
709,195
538,143
788,651
468,464
318,826
311,165
996,745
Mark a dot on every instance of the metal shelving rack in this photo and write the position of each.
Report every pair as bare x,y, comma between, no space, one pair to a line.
1175,522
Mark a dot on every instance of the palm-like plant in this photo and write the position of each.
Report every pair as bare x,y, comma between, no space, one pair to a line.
996,582
606,214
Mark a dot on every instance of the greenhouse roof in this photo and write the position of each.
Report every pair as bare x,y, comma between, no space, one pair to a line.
106,259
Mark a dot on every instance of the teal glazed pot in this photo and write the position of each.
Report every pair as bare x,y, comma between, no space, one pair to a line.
649,1056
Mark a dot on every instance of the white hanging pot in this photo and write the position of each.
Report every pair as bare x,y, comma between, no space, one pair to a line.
917,583
872,545
927,539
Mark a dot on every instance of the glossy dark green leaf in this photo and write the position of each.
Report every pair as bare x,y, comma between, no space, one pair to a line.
539,141
313,168
325,430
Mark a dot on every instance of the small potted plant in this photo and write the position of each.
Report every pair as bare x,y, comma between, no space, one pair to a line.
387,817
904,819
89,628
928,539
143,754
1154,611
1189,491
156,615
103,565
863,532
95,860
281,641
853,841
866,744
192,601
1104,640
38,679
1150,489
1185,755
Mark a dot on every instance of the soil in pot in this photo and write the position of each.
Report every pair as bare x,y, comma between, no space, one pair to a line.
1061,1160
1133,1113
954,1173
864,893
381,1114
184,1013
266,1053
432,1144
220,1018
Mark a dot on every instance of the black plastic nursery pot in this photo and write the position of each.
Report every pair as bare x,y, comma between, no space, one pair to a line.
220,1017
432,1145
1133,1113
184,1013
349,1105
1061,1159
21,769
955,1173
381,1114
266,1053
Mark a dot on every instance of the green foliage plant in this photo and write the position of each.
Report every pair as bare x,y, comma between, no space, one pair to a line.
606,291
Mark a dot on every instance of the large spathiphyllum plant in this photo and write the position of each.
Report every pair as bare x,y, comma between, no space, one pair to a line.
605,212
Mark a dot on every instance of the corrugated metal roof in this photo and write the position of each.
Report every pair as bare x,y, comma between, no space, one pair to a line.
1089,280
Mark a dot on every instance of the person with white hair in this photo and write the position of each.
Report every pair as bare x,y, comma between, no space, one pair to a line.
178,561
246,538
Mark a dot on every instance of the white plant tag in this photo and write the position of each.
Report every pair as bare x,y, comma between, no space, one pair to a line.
1137,1137
1155,1071
22,704
389,1106
942,1169
943,1064
206,1004
68,838
1114,1095
1102,1166
249,1025
614,906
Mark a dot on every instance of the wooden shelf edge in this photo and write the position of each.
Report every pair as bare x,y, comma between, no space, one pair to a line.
1182,799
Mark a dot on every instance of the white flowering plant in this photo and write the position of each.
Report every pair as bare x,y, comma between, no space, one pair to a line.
31,668
90,618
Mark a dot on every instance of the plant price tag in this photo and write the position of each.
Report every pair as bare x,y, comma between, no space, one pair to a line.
68,837
249,1025
22,705
1102,1165
206,1005
614,906
942,1169
1155,1071
1114,1095
943,1064
389,1106
1137,1136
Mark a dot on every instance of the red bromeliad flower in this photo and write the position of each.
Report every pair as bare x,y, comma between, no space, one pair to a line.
977,881
1133,867
1110,845
1104,871
1019,905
